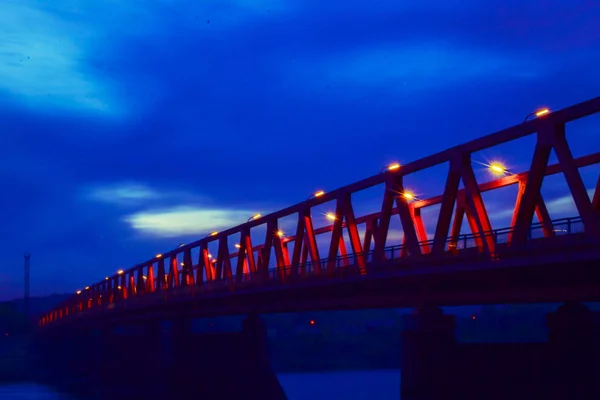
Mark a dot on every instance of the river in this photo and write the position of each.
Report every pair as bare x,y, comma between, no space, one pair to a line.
347,385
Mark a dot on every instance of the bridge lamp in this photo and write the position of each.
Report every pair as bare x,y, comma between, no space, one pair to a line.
144,278
78,292
539,113
106,278
254,217
119,287
215,233
330,216
87,288
497,168
209,256
182,264
120,272
158,255
238,246
408,196
280,234
391,167
316,194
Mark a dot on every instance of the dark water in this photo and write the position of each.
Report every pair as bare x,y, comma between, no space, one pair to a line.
29,391
354,385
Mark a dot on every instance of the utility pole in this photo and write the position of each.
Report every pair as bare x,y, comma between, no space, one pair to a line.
26,288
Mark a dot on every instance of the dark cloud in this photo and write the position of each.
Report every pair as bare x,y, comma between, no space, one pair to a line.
241,106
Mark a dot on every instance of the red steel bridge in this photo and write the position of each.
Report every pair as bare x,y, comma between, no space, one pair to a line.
533,259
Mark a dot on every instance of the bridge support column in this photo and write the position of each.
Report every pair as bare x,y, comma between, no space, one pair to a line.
428,346
134,359
573,343
231,365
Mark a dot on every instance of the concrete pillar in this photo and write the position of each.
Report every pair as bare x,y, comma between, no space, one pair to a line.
129,362
428,346
259,378
254,336
225,365
573,343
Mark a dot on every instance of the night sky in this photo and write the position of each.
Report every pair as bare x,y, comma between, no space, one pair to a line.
128,127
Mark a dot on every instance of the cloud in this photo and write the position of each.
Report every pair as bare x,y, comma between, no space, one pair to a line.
122,193
559,207
500,214
62,55
185,220
415,66
41,63
565,205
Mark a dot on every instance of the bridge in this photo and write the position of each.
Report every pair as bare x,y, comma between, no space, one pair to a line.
534,259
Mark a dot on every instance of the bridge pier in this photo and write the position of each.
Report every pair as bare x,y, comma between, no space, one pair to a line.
428,347
133,360
573,346
223,365
435,366
108,361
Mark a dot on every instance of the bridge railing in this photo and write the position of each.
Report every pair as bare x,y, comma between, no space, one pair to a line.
461,248
347,265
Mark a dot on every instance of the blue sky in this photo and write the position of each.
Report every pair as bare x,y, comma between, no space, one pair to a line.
129,127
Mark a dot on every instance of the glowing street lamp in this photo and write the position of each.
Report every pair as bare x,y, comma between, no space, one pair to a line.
238,246
330,216
158,255
539,113
215,233
497,168
254,217
391,167
280,234
78,292
408,196
120,272
316,194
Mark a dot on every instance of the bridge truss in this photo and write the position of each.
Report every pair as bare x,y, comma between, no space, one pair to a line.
284,259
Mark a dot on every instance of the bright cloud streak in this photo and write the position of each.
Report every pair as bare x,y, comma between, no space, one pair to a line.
184,220
559,207
565,205
123,193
